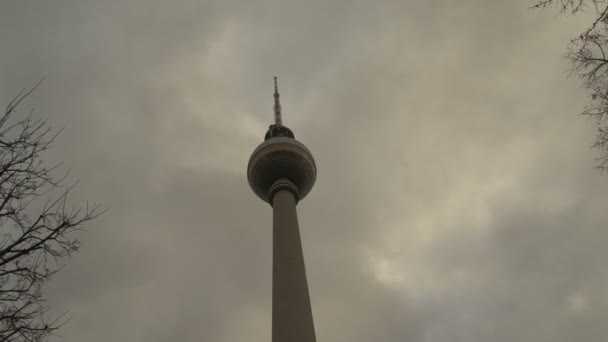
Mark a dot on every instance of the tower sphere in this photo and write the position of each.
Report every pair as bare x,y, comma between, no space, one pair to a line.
281,156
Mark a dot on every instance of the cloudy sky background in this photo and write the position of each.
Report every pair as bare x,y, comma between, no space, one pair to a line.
456,200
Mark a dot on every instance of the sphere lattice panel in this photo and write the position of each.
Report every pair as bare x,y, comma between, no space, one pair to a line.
281,157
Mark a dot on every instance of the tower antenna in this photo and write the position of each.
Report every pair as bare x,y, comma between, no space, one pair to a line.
277,105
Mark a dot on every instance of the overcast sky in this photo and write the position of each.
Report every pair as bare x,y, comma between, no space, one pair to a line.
456,198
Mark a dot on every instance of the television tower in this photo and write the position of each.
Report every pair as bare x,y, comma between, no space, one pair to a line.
281,172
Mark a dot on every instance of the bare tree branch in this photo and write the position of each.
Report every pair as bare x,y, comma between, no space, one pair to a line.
587,55
32,243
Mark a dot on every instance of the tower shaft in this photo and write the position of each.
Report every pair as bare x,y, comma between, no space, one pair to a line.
291,311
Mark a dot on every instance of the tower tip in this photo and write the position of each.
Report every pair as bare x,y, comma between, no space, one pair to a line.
277,105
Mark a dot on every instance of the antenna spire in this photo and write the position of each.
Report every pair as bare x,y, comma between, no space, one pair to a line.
277,105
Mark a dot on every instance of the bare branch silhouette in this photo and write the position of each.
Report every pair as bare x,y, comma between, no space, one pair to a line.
587,54
32,241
